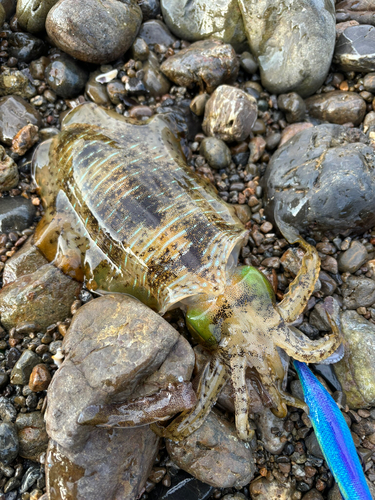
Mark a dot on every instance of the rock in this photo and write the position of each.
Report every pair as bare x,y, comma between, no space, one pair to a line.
353,258
308,171
369,82
32,436
183,485
355,49
25,139
65,77
116,91
248,63
42,297
32,14
4,380
16,83
16,113
293,105
293,44
22,369
337,107
25,47
30,477
263,489
272,441
291,130
40,378
358,291
341,27
16,214
25,261
313,446
8,442
318,316
96,31
216,152
328,284
8,413
140,50
198,104
229,114
313,495
363,12
2,15
96,91
355,371
208,63
154,81
150,8
8,172
155,32
9,7
139,112
214,454
200,19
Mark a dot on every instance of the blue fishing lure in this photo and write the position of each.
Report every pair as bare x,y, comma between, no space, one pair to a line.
334,437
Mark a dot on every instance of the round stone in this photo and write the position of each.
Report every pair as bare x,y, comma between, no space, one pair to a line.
353,258
40,378
32,14
293,105
337,107
65,77
216,152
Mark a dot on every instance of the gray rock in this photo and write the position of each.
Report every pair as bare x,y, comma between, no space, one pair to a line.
16,214
214,454
155,31
30,477
140,50
230,114
293,44
313,446
150,8
200,19
296,389
208,63
356,370
306,174
96,31
8,442
25,47
353,258
265,422
358,291
32,436
32,14
355,49
337,107
22,369
65,77
248,63
16,113
351,10
293,105
8,413
154,80
216,153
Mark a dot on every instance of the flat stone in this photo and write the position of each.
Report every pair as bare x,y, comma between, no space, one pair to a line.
22,369
337,107
8,172
15,113
358,291
96,31
32,436
16,214
42,297
351,10
200,19
216,152
32,14
208,63
355,49
230,114
156,32
293,44
25,261
353,258
307,172
265,422
214,454
8,442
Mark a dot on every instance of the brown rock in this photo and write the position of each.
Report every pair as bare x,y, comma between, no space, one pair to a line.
230,114
96,31
138,112
8,172
32,436
214,454
207,63
341,27
263,489
40,378
337,107
291,130
25,139
351,10
353,258
43,297
15,113
257,146
27,260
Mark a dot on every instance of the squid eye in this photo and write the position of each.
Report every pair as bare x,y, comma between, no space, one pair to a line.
202,329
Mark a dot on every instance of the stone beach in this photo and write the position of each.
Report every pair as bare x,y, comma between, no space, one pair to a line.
276,107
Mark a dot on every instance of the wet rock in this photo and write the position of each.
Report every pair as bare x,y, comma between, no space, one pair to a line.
65,77
139,112
25,139
27,260
198,104
337,107
307,172
116,91
30,478
2,15
4,380
216,152
293,105
40,378
355,371
353,258
22,369
363,12
369,82
140,50
214,454
355,49
208,63
200,19
313,446
230,114
263,489
156,32
16,214
97,91
16,113
291,130
43,297
9,7
293,45
272,441
32,14
154,81
8,413
96,31
313,495
8,171
183,485
16,83
25,47
328,284
358,291
248,63
32,436
8,442
150,8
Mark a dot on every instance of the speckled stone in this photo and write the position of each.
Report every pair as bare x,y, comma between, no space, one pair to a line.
263,489
40,378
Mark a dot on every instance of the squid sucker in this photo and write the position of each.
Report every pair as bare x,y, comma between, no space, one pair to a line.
334,437
125,213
